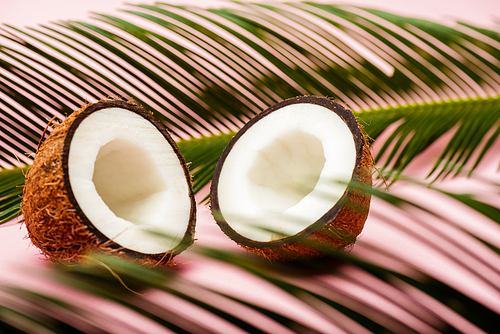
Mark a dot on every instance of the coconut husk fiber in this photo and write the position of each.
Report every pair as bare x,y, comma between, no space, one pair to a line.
339,233
54,224
338,228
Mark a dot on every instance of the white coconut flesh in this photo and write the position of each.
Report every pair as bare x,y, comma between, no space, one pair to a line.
128,181
286,171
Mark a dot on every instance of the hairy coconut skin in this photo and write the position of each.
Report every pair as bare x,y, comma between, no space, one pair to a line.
55,222
338,228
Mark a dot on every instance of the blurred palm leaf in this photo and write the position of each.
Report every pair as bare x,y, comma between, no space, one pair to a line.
204,73
350,291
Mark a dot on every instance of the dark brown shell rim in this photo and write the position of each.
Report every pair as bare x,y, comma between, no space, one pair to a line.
188,238
347,116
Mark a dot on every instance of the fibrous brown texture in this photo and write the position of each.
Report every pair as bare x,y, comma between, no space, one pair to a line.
59,229
51,220
339,227
340,233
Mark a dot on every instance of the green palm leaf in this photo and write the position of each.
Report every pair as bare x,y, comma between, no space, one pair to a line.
475,123
204,73
11,182
426,301
200,71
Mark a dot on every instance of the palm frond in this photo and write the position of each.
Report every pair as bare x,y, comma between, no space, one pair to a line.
203,154
206,72
475,123
11,183
347,291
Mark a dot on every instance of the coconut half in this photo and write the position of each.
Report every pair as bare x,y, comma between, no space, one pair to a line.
110,178
284,186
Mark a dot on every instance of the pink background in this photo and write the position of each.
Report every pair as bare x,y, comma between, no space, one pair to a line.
21,264
30,12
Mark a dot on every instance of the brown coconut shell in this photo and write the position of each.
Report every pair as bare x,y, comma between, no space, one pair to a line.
55,222
338,228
